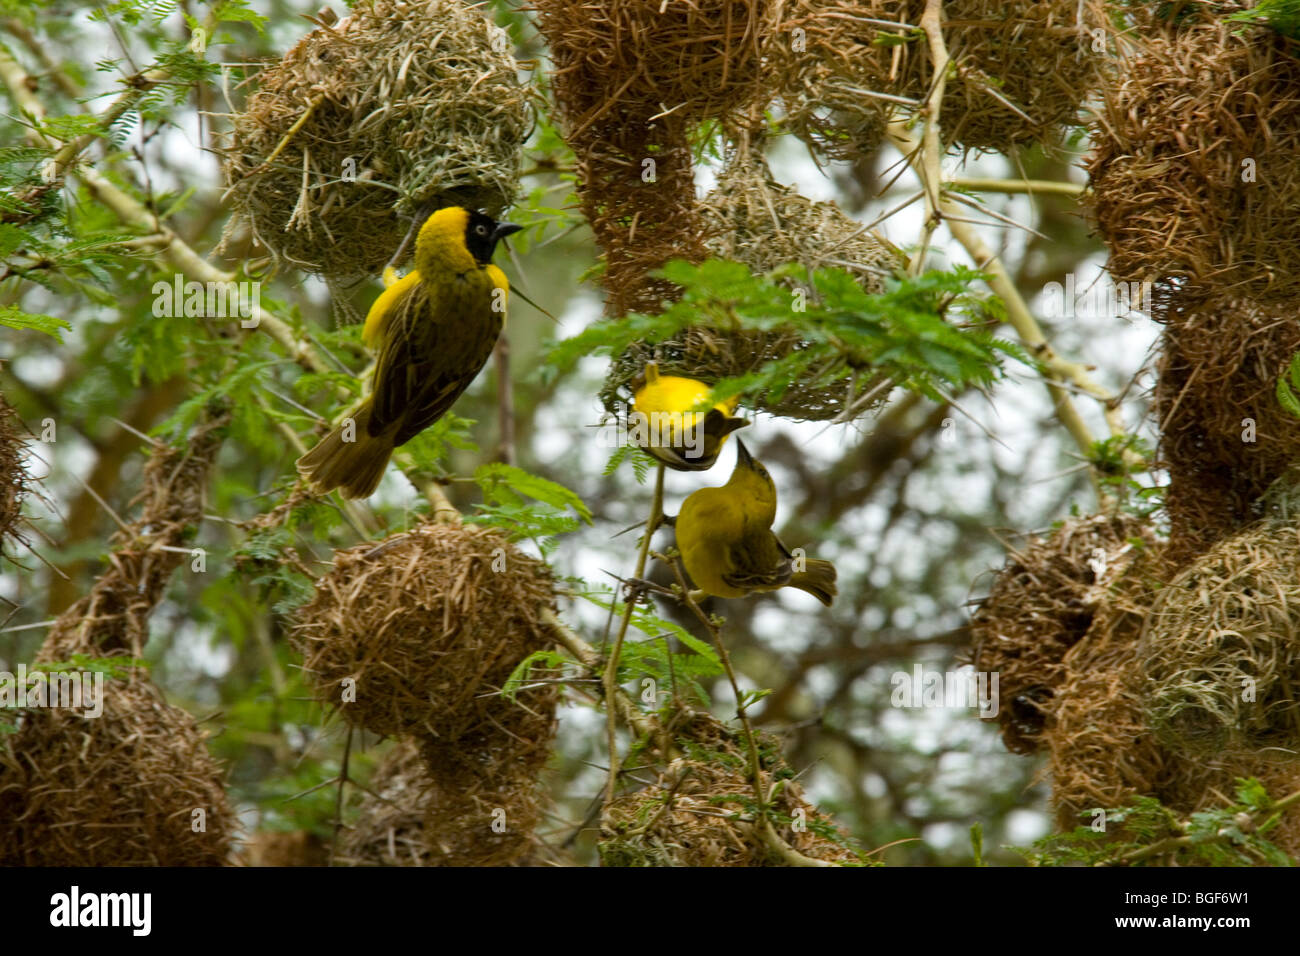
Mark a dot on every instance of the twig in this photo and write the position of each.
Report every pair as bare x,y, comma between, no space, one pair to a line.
611,666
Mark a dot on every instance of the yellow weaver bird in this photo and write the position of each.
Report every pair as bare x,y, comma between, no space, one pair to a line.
727,545
680,438
432,331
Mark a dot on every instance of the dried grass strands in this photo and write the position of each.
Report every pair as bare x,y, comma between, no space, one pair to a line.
1101,752
1193,165
113,619
751,218
120,789
429,624
413,817
700,812
1044,600
1222,358
692,59
418,100
13,474
1022,69
1220,650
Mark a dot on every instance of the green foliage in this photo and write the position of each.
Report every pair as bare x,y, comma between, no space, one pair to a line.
640,459
1145,833
15,318
505,490
1287,386
653,656
1114,460
911,332
1282,16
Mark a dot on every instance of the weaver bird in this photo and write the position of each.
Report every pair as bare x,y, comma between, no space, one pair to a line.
727,545
663,424
432,331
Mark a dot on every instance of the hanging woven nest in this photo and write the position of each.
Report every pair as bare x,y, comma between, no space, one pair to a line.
1221,649
134,786
13,473
410,817
401,107
1225,438
751,218
1193,173
1101,754
695,59
424,628
1021,70
699,810
1042,603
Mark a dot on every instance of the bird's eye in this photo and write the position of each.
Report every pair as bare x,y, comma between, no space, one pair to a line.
481,229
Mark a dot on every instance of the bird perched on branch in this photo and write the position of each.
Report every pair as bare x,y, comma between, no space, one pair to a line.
663,423
727,545
432,331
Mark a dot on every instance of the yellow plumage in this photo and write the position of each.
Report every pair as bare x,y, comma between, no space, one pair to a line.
682,439
432,331
727,544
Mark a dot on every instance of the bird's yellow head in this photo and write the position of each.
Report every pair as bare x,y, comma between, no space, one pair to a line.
751,482
458,239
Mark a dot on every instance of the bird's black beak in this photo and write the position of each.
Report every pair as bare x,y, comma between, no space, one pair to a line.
743,458
503,229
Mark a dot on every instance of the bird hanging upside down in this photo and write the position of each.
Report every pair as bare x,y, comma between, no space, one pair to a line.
727,544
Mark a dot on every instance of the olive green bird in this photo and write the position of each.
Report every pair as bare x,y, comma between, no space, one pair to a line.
727,544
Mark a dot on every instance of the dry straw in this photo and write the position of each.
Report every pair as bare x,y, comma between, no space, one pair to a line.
1224,437
1043,602
121,789
13,474
631,77
426,627
1221,649
700,810
1193,171
114,616
410,817
1101,752
693,59
751,218
399,108
1021,70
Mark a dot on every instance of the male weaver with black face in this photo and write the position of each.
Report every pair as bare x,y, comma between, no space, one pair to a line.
432,331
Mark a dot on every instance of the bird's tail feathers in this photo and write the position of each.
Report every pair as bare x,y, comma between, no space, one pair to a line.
818,579
348,458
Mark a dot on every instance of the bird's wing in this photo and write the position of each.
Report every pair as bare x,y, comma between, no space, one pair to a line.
759,562
428,356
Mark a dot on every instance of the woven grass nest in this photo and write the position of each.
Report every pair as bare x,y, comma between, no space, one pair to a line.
694,58
430,623
410,817
1222,358
1100,751
1225,629
1201,97
751,218
421,97
699,811
117,790
1022,69
13,475
1043,602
